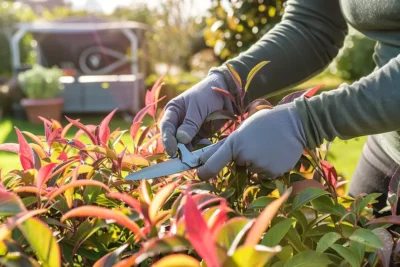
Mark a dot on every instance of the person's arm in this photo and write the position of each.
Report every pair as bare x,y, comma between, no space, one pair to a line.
369,106
301,45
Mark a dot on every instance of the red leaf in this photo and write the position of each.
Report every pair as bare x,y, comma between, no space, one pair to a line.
301,185
63,156
386,220
54,135
222,91
104,131
104,213
25,152
77,183
198,233
137,120
83,128
133,203
329,173
46,121
44,174
9,147
313,91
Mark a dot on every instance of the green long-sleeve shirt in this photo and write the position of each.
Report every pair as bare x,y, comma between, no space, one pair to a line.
305,42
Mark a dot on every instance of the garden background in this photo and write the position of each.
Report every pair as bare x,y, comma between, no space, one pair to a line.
184,45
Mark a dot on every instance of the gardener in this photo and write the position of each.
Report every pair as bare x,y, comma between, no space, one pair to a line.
301,45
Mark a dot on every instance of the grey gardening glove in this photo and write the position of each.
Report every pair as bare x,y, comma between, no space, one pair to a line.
269,142
185,114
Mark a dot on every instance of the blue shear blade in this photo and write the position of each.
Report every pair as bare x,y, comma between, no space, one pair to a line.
159,170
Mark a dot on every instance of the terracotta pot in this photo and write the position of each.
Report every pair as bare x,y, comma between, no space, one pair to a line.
48,108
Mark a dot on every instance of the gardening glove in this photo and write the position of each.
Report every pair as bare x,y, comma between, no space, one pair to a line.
185,114
270,142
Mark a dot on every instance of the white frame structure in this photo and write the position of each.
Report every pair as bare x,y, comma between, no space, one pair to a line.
79,27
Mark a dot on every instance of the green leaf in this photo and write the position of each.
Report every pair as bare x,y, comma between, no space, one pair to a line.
277,233
111,258
16,259
257,256
306,196
167,244
320,230
366,237
358,249
230,230
260,202
285,254
91,192
42,241
326,241
220,115
294,239
361,204
308,259
228,193
325,204
347,254
10,204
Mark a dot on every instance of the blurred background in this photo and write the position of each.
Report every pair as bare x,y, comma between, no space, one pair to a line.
87,57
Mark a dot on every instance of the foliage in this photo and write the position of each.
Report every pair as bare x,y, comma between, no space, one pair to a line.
70,205
10,14
233,26
355,59
40,82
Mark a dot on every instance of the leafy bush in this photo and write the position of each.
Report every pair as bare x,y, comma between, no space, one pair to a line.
11,13
233,26
70,204
40,82
355,59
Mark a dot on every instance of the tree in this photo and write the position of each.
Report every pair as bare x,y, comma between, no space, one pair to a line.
234,25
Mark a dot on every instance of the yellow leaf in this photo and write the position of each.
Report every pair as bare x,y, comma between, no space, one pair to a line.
177,260
235,76
253,72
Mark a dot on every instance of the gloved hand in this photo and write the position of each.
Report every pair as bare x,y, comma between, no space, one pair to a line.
269,142
185,114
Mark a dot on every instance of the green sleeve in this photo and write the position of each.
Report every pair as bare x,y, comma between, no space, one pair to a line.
301,45
366,107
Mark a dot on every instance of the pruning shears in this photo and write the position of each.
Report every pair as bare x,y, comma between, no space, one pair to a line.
185,160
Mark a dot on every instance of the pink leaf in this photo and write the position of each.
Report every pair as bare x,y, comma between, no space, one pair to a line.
104,131
153,95
9,147
329,173
54,135
83,128
137,120
198,233
44,174
25,152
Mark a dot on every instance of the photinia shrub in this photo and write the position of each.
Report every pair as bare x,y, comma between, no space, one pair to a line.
69,204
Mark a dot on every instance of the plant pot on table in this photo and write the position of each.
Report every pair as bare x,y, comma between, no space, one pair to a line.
50,108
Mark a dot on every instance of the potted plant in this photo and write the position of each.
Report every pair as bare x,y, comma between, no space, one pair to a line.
41,87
